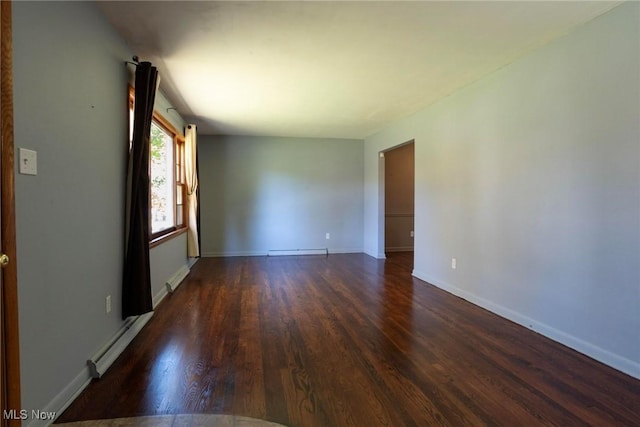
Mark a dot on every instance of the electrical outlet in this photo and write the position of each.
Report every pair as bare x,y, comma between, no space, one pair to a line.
328,236
108,304
454,263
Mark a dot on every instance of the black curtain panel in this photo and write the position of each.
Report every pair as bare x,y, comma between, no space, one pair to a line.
136,284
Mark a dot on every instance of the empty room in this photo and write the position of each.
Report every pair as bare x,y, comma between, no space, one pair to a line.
320,213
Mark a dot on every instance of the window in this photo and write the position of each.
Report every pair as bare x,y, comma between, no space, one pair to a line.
166,175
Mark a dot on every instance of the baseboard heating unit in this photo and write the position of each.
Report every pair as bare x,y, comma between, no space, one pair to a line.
177,279
289,252
99,363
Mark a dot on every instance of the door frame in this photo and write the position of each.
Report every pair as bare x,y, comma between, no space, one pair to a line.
9,295
382,196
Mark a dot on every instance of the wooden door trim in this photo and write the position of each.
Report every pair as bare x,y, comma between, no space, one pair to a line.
8,216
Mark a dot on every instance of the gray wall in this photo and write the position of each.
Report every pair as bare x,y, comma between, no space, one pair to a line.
530,178
399,179
71,107
260,194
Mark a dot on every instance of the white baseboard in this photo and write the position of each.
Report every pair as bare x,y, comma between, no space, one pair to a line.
399,249
233,254
345,251
105,357
276,252
102,360
108,354
608,358
373,254
159,296
171,284
265,253
63,399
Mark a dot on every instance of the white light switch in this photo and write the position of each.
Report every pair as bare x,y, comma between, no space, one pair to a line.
28,162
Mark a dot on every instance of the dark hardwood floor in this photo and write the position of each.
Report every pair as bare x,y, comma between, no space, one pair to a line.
348,340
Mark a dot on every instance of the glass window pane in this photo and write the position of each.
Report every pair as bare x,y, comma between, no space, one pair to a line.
178,194
162,201
179,211
130,126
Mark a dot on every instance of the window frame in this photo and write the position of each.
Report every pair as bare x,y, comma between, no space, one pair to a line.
177,178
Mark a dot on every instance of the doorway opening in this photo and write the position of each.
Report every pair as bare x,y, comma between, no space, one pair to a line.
399,196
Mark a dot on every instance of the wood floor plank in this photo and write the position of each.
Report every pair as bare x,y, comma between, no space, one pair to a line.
348,340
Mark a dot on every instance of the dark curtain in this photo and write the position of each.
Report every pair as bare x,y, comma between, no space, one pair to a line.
136,284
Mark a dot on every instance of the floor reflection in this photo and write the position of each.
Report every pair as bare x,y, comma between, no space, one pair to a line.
397,313
166,378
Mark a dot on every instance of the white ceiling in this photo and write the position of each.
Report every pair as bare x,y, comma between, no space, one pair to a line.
329,69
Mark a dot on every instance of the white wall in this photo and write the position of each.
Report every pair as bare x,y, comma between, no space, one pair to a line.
70,90
260,194
530,178
165,261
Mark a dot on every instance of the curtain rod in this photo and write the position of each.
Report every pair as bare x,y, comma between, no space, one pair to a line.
135,62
